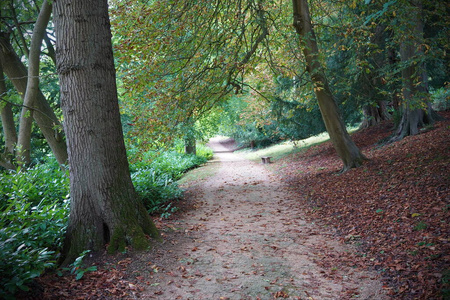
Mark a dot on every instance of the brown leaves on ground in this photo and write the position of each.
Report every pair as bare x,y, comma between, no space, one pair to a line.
109,282
395,207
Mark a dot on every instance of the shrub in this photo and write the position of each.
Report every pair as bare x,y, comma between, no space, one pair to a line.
30,239
175,164
441,99
42,182
155,182
204,152
33,219
155,190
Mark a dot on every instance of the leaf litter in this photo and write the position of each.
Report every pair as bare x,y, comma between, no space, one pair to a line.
376,232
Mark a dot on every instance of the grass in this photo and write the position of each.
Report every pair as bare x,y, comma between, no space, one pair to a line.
280,150
285,148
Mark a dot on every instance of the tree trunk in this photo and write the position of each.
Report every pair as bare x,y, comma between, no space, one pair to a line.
374,114
105,208
190,145
43,114
416,107
349,153
375,107
32,90
9,129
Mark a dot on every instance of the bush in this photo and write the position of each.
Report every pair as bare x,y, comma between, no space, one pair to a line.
30,239
175,164
34,210
33,220
155,190
42,182
441,99
155,182
204,152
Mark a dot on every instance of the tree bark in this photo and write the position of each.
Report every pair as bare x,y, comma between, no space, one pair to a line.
416,107
190,145
9,129
374,114
43,114
26,117
50,49
105,208
349,153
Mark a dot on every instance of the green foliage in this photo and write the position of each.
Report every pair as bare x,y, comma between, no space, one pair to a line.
42,183
174,164
296,121
78,268
204,152
256,135
445,281
441,99
154,179
155,189
420,226
33,219
30,239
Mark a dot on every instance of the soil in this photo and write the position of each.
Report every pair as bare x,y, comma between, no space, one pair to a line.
243,236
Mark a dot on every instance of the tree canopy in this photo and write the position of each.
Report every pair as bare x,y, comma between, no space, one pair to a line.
179,60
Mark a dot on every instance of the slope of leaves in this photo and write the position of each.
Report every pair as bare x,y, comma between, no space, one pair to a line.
395,208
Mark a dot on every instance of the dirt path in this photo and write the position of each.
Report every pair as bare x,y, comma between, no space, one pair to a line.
246,239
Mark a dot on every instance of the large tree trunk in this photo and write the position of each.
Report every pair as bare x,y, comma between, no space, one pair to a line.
105,208
416,107
345,147
26,117
43,114
9,128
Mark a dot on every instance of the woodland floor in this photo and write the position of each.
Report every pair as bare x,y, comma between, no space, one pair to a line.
296,229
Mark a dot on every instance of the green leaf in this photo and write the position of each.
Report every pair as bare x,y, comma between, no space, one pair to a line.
79,275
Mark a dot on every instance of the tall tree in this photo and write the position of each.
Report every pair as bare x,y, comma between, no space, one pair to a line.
32,90
43,114
375,105
416,107
9,129
345,147
105,208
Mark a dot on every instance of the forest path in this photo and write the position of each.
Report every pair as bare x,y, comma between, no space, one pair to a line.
246,238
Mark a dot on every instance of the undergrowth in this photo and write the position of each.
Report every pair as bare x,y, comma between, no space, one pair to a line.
34,211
